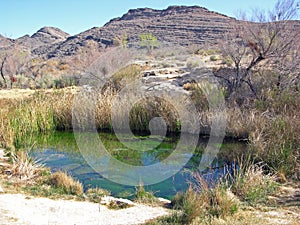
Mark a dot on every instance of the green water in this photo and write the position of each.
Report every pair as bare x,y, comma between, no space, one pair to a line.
59,151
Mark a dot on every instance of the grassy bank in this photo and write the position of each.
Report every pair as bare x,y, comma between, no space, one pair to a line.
219,203
272,127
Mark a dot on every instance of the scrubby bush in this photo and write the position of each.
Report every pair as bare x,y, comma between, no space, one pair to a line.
66,183
213,58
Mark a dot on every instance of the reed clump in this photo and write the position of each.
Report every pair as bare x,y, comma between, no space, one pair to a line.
250,182
39,114
65,182
203,202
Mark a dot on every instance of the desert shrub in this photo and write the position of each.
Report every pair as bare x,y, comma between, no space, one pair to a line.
66,183
66,81
213,58
126,75
206,52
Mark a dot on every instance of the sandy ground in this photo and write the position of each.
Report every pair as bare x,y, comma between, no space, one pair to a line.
19,209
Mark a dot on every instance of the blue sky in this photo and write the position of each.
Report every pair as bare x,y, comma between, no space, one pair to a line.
20,17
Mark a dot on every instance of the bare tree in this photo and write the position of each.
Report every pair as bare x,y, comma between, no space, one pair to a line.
12,63
264,41
2,70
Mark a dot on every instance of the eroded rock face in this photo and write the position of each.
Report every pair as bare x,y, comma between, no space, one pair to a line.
177,24
45,39
50,35
180,25
5,42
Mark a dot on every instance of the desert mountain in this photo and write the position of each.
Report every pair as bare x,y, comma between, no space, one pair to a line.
183,25
45,37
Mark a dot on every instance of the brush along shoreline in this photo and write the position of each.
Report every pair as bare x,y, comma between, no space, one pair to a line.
19,208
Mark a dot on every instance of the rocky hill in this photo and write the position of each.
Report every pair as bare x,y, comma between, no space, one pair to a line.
43,39
183,25
5,42
177,25
44,36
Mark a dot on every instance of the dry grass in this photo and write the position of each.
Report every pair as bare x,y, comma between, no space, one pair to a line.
66,182
204,203
250,182
278,144
144,197
24,169
251,217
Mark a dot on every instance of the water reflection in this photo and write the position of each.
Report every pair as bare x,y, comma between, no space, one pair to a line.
59,151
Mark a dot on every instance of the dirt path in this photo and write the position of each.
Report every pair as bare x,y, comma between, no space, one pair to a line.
19,209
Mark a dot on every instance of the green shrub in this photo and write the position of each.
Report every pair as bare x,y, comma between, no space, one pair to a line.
213,58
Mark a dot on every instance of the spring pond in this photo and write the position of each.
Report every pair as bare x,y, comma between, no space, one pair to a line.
59,151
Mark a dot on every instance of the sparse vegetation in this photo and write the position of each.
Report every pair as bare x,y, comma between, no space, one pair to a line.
201,203
95,194
145,197
66,183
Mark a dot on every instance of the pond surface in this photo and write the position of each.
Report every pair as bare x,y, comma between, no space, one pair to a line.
59,151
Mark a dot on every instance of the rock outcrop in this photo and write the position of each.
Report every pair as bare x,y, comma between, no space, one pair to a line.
39,43
181,25
42,41
5,42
